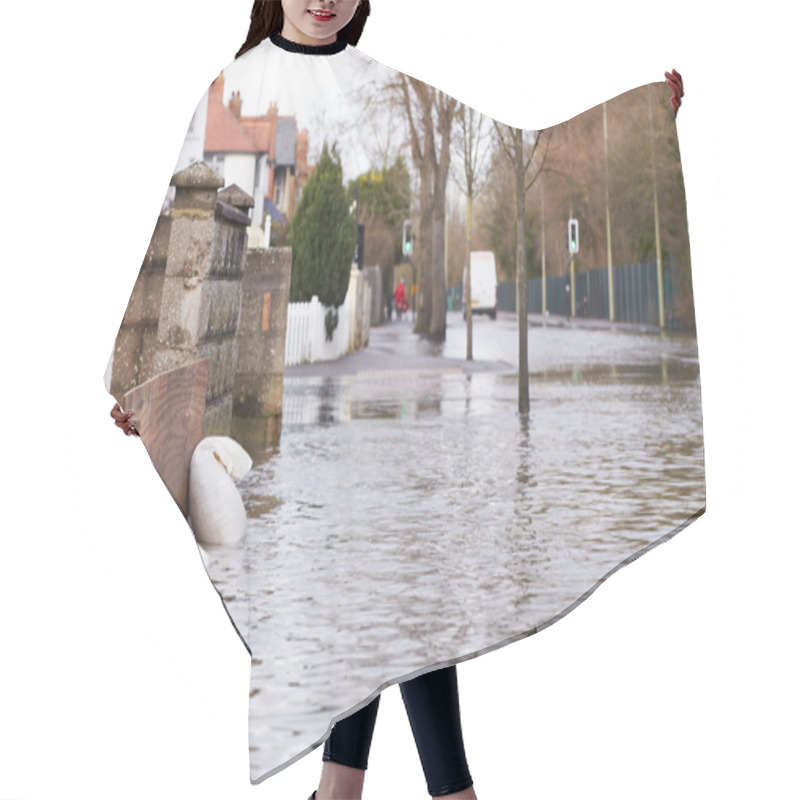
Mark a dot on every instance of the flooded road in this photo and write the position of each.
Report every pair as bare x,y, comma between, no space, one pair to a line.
411,517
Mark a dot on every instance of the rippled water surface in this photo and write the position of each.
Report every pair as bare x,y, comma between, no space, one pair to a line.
411,517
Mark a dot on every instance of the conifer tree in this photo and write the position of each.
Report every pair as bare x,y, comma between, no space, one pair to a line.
322,235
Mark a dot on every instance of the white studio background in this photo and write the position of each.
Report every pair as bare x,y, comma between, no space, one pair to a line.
120,675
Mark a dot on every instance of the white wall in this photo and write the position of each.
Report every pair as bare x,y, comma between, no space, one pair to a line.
240,168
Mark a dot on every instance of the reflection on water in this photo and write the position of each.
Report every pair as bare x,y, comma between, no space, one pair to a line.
411,517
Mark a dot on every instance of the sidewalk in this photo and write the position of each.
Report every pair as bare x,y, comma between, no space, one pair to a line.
560,321
395,347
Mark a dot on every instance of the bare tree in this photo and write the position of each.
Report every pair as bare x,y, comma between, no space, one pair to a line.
493,214
520,149
474,158
429,114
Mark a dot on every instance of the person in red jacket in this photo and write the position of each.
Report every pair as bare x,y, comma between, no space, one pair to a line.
400,302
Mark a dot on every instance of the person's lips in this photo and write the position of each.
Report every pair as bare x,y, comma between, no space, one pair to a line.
323,16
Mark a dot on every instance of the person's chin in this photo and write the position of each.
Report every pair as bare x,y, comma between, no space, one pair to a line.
314,33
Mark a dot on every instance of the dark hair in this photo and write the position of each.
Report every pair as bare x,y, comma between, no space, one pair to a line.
266,18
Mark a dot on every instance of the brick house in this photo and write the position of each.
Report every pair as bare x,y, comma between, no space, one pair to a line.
265,155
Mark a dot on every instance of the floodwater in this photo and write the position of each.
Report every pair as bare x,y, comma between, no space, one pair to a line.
411,517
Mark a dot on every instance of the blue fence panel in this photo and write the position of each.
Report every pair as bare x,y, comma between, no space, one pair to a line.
635,294
506,296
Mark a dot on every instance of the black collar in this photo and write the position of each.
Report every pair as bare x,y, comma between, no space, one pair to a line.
308,49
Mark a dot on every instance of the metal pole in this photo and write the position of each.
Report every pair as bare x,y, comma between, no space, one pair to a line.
572,284
659,268
544,262
445,246
608,223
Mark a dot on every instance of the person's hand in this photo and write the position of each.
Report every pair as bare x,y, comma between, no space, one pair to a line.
675,82
124,420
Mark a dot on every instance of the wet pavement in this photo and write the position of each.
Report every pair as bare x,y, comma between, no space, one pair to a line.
411,517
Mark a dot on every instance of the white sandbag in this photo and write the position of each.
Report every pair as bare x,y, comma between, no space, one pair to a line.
216,511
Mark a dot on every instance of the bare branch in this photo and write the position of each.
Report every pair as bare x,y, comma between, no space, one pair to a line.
533,150
500,136
542,163
416,149
422,91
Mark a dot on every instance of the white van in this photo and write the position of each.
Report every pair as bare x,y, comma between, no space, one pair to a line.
484,284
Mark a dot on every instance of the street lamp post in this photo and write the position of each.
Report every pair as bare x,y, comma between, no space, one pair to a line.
573,246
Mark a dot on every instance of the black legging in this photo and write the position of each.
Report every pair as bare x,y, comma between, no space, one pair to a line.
432,706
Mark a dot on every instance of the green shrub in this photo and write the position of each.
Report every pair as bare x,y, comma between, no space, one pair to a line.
322,235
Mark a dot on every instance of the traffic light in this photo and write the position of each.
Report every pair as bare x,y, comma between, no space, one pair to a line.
572,236
408,244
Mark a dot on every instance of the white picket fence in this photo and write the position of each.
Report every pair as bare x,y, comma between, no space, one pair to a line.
305,333
305,328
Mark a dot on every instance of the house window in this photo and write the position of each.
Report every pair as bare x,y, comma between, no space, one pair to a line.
279,184
217,163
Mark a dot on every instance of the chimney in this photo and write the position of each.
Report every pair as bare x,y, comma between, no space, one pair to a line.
235,105
301,154
272,129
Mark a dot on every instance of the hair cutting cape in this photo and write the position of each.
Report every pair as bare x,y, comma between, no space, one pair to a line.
369,502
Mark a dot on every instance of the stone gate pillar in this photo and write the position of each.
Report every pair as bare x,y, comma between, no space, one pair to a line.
201,296
261,348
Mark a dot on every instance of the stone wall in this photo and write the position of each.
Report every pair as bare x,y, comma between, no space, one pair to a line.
187,299
374,278
134,349
261,348
202,290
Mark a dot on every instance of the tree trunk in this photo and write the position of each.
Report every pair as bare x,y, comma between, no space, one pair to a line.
436,111
438,297
522,273
445,108
424,280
